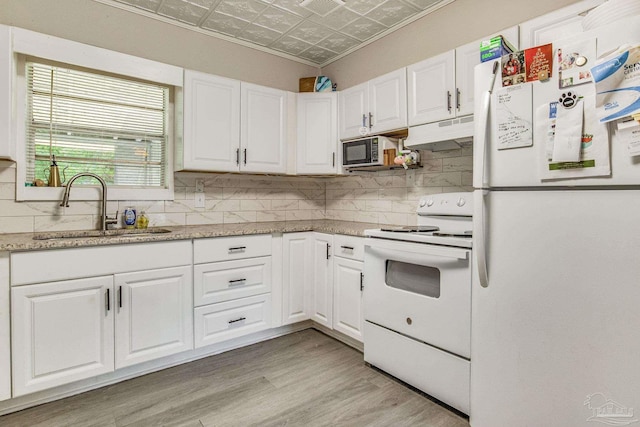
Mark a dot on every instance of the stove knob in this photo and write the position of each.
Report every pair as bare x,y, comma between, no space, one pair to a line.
423,203
461,202
429,202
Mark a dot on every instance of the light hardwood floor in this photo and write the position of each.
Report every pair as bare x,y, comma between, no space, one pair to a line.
301,379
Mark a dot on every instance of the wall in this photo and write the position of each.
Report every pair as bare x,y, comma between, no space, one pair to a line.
381,197
391,197
101,25
456,24
228,198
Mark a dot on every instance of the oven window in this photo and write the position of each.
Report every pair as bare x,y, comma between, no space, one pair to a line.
418,279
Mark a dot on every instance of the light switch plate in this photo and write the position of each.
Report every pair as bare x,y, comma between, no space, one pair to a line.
199,200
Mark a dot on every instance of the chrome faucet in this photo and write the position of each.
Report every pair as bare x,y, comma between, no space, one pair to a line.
105,219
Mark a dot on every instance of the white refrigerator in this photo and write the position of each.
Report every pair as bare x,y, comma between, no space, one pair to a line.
556,286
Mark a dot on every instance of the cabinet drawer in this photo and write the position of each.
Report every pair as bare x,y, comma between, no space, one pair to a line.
230,248
351,247
229,280
232,319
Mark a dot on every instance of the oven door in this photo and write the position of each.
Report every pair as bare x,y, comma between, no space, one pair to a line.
422,291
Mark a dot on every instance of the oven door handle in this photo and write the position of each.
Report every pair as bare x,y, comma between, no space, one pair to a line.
417,248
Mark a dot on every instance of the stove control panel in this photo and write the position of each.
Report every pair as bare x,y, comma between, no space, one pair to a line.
446,204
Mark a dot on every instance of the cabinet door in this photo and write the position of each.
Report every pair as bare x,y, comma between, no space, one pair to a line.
296,271
322,280
556,25
61,332
467,57
154,314
353,110
432,89
7,147
388,101
317,144
211,123
348,317
5,331
263,136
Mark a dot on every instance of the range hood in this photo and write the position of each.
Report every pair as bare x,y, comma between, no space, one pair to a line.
439,136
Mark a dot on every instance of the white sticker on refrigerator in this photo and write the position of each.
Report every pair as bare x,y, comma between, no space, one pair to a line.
514,116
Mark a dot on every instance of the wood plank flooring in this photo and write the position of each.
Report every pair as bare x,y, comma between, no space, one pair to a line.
301,379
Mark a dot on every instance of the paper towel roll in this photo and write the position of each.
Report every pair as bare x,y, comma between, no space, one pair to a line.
609,12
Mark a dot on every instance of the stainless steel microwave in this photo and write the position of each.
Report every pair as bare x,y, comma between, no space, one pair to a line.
365,151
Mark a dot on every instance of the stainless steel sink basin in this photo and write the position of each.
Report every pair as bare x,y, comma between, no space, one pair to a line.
93,234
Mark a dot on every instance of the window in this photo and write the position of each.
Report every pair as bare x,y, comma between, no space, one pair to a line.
116,127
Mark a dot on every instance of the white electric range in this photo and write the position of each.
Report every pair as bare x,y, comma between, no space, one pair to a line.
417,299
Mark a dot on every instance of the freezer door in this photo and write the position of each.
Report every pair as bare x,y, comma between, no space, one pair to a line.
555,334
521,167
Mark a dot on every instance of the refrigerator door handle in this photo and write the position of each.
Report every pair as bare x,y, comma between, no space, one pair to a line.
480,247
480,132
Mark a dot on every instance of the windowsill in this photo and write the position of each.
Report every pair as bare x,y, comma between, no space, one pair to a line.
92,193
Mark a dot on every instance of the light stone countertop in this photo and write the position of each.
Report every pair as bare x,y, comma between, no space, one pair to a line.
26,242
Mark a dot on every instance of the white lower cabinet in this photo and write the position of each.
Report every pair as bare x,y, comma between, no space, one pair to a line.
75,329
322,280
348,317
154,314
297,269
61,332
232,287
215,323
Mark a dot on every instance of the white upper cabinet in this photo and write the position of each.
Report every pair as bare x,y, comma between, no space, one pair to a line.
441,87
231,126
7,144
388,102
353,110
263,134
211,123
431,89
556,25
317,144
374,107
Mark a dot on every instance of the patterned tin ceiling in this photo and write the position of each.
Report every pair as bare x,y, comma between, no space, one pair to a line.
312,31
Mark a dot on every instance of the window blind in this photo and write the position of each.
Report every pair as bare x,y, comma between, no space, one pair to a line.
91,122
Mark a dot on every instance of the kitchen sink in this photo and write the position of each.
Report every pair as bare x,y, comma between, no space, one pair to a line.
100,234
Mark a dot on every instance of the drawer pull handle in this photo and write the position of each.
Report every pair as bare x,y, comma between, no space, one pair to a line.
237,249
350,248
237,281
240,319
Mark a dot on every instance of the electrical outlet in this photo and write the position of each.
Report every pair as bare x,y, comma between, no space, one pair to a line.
199,200
199,185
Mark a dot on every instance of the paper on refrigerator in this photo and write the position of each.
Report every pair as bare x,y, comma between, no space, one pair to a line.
514,114
617,78
629,133
594,158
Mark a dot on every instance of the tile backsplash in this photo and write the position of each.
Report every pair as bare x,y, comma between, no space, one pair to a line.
387,197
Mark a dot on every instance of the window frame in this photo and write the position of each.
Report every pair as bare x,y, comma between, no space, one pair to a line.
31,45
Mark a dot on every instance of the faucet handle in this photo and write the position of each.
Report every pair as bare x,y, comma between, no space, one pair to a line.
113,220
